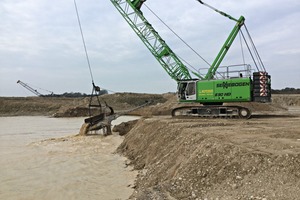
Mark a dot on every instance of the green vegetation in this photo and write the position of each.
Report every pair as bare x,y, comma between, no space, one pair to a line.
286,90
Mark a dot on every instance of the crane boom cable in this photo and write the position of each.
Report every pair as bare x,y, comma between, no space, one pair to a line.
251,54
258,62
259,67
255,50
83,41
218,11
37,87
242,49
187,63
177,35
44,89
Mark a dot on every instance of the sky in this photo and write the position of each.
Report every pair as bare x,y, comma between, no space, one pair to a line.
41,45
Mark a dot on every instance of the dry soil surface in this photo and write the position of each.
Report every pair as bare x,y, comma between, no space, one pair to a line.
216,158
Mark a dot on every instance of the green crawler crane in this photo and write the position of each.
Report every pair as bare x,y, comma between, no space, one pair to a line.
206,89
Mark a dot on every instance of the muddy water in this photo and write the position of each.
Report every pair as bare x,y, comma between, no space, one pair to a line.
40,158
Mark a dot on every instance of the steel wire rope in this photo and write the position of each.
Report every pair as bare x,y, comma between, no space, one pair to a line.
251,54
178,37
255,50
242,49
36,87
33,87
83,41
190,65
85,49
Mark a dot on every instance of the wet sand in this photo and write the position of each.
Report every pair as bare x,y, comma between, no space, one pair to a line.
41,158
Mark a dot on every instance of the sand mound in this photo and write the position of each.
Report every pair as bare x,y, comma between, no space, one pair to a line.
215,159
124,127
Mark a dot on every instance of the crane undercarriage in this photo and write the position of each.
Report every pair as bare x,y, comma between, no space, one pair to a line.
212,112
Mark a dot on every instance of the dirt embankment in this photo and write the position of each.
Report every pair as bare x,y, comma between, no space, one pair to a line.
286,100
78,107
72,107
215,158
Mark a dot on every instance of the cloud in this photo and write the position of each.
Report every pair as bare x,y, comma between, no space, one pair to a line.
40,42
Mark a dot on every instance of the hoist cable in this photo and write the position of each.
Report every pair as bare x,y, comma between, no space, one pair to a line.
85,49
177,35
83,41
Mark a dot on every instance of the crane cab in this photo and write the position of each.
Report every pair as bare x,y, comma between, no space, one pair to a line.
187,90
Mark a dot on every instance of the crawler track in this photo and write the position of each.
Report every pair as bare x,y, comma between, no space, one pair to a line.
212,111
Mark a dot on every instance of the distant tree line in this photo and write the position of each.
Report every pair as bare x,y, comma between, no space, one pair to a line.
74,94
286,90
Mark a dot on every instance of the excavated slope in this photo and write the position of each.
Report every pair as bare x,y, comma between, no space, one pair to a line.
161,104
215,158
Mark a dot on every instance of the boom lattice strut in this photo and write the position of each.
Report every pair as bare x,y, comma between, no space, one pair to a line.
130,10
